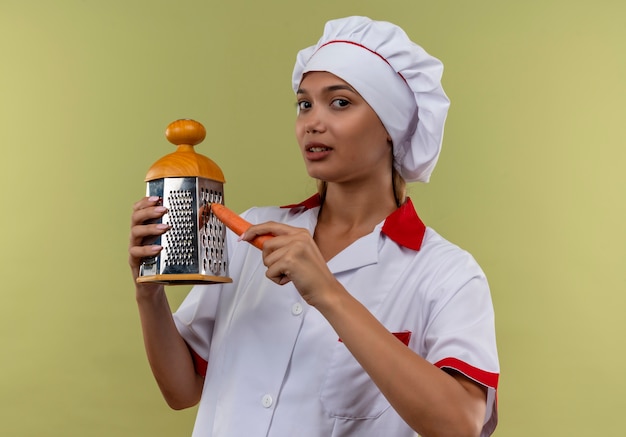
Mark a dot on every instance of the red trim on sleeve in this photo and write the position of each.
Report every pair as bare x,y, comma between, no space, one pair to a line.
199,363
404,336
486,378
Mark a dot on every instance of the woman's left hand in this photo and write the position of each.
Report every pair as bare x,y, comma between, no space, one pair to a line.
293,256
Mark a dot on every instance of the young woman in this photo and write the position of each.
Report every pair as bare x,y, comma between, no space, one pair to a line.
355,319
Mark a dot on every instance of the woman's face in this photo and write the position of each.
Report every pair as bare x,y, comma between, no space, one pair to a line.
340,136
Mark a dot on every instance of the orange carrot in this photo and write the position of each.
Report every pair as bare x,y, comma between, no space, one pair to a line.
237,224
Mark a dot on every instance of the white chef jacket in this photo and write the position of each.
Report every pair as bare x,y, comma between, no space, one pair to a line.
275,367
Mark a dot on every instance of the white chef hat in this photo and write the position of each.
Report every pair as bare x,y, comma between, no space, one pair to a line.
395,76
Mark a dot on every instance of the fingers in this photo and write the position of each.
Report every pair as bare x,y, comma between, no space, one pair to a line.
257,235
292,256
280,235
148,208
276,241
267,228
143,234
145,229
279,275
137,253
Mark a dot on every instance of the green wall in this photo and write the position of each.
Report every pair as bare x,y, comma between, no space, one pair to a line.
530,180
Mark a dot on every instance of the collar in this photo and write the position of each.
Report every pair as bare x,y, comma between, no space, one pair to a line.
403,225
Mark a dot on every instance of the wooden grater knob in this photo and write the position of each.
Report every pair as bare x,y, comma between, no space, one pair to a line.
186,131
185,162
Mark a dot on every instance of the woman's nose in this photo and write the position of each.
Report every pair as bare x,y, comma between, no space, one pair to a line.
313,123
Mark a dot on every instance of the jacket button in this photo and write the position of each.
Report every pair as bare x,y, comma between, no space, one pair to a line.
267,401
296,309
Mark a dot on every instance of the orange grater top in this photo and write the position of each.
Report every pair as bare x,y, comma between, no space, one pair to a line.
185,162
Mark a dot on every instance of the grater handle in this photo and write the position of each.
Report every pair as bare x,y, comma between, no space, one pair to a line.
235,223
185,132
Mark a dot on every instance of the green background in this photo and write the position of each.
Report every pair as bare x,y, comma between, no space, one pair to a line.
530,180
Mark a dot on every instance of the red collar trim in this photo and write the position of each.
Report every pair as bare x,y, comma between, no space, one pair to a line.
403,225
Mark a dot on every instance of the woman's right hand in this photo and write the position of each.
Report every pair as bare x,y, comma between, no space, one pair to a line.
143,233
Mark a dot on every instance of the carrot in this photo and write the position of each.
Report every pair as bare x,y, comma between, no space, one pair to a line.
237,224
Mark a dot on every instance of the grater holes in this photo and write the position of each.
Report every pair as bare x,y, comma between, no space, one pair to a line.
179,250
212,233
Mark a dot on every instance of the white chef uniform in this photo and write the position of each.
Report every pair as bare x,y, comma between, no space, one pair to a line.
277,368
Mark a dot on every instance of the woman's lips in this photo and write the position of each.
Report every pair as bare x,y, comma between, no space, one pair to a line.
315,152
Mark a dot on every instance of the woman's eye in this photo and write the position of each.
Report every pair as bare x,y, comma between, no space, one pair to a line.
303,105
340,103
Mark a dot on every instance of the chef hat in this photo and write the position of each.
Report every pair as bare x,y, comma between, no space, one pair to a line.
396,77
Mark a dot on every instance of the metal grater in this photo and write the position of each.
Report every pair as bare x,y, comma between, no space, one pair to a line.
194,248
